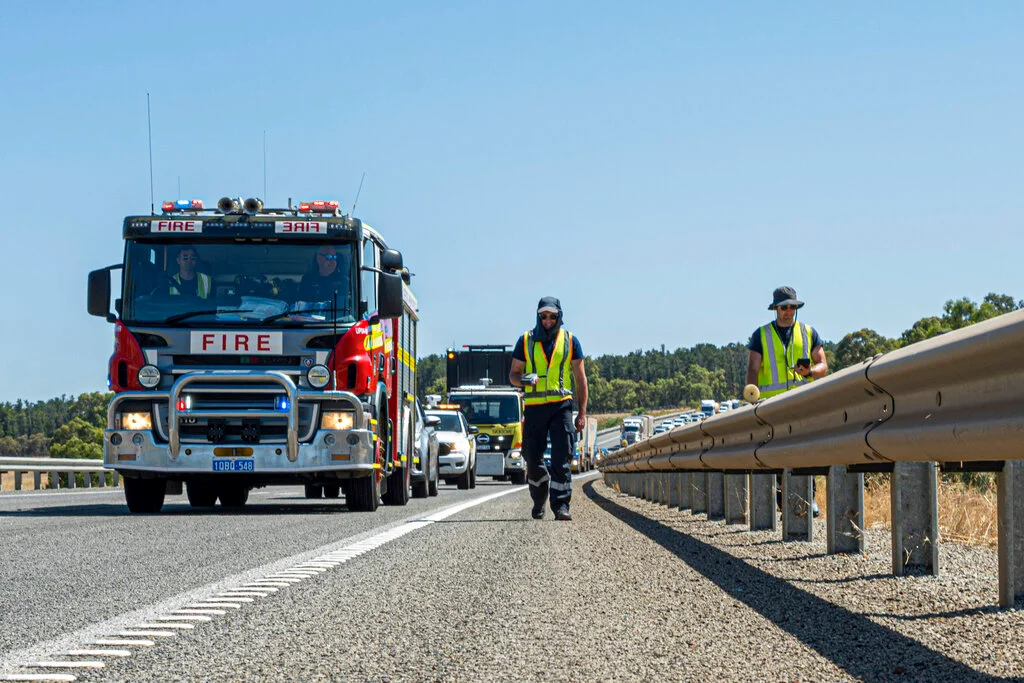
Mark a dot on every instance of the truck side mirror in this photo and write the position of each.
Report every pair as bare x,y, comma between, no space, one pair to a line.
431,420
391,259
473,429
389,295
98,302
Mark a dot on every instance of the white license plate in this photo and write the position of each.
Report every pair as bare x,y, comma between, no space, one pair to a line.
226,465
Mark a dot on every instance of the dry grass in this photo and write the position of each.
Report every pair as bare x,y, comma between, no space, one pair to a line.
7,481
966,514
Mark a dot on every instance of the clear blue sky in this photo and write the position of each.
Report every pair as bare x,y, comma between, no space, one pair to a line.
660,167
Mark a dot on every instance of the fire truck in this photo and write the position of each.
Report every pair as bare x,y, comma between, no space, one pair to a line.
255,347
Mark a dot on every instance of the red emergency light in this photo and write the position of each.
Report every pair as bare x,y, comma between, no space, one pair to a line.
319,206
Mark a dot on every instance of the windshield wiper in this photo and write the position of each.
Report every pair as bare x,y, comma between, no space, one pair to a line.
183,316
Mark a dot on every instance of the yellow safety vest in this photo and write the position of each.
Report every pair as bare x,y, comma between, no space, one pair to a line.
202,287
554,378
776,374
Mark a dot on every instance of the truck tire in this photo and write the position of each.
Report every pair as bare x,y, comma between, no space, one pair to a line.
420,489
233,495
518,478
464,480
363,494
314,491
201,494
332,490
144,496
398,487
472,476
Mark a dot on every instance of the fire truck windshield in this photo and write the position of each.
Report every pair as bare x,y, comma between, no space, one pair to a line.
239,283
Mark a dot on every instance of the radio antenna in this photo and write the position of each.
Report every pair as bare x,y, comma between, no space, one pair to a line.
358,192
149,126
265,199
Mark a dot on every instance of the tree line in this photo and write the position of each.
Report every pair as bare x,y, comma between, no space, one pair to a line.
657,378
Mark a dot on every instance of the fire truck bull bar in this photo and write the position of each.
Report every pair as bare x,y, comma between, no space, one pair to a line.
293,393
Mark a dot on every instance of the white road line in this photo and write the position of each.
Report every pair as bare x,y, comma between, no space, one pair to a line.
184,617
67,665
121,642
99,653
38,677
214,612
165,624
147,634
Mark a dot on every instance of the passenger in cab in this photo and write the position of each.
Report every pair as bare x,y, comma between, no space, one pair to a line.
187,281
328,274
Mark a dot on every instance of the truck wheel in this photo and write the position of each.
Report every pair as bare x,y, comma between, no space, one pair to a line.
144,495
233,495
314,491
398,487
201,494
332,490
363,494
472,477
464,480
518,478
420,489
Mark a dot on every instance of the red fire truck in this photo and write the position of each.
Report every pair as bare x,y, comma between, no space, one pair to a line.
257,346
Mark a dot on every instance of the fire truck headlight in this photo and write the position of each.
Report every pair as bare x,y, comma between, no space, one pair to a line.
336,420
515,454
149,376
136,421
318,376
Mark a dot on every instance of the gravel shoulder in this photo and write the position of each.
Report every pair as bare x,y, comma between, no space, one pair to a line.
627,591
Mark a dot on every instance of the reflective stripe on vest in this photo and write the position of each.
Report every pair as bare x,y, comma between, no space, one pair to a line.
202,287
776,374
549,388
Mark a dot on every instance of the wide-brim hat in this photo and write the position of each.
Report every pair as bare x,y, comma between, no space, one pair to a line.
785,296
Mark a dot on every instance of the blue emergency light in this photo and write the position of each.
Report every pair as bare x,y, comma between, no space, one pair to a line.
282,403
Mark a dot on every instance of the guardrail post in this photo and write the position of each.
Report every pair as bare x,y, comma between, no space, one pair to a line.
1010,504
735,499
698,492
37,480
915,517
844,511
117,479
52,480
673,490
797,495
17,480
647,485
71,480
683,483
87,480
666,489
762,503
715,487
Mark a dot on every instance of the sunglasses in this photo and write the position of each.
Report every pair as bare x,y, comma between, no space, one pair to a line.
329,257
549,316
786,308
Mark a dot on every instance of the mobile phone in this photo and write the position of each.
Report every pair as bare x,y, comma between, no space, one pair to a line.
803,362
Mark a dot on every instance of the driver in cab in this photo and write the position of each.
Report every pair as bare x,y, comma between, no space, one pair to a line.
327,276
187,281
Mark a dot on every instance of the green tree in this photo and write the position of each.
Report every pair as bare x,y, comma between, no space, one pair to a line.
925,328
856,346
77,439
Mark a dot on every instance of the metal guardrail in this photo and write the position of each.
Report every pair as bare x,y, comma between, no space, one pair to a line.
954,402
56,466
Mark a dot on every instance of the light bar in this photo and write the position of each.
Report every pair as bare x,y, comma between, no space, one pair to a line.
182,205
319,206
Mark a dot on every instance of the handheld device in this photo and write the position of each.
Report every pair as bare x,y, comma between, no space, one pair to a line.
530,379
803,362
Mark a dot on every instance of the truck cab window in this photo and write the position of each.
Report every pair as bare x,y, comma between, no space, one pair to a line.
369,278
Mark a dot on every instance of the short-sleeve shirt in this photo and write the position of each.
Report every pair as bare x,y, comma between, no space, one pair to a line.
519,353
784,334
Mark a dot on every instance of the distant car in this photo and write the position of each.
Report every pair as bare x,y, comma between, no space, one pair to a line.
661,429
456,448
426,466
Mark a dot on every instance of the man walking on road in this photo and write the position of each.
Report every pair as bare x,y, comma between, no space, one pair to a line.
785,354
547,362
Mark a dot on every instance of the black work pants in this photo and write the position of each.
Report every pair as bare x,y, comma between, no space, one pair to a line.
549,421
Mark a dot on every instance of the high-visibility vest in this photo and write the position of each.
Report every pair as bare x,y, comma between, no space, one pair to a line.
202,288
776,374
554,378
